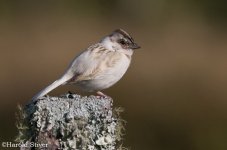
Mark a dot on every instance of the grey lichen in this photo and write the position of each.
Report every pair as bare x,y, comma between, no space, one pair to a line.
71,122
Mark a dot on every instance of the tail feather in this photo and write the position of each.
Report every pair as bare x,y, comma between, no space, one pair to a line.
50,87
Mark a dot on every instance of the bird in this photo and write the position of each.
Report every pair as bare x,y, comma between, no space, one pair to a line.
99,66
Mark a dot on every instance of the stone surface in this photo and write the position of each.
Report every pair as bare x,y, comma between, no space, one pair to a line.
71,122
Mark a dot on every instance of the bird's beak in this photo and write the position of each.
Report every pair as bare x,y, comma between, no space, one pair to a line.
134,46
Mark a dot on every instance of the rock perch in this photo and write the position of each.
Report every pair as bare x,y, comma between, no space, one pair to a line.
70,122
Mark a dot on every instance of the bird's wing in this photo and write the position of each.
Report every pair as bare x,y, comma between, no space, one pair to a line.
86,64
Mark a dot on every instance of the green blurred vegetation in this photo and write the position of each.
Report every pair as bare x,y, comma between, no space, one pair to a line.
174,93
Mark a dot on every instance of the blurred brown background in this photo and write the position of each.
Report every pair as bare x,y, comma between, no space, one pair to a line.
174,93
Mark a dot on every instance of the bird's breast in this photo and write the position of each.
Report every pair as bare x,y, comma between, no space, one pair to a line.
110,70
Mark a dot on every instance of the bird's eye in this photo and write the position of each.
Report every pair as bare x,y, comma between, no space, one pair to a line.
122,41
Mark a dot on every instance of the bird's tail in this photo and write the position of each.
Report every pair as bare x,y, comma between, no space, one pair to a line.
52,86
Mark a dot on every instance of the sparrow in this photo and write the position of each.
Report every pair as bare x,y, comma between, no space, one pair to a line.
99,66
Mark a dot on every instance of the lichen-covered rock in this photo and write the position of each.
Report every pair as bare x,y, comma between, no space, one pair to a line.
71,122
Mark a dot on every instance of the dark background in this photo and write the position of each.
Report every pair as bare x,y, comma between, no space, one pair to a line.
175,91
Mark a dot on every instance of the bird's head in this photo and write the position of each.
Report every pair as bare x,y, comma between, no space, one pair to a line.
119,40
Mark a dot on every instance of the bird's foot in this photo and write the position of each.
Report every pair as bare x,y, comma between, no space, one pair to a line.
70,94
101,95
